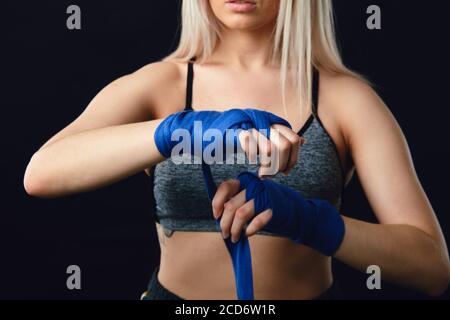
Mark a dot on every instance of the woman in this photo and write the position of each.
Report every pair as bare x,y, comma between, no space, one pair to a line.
271,55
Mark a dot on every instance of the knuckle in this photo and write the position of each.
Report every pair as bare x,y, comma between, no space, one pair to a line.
242,213
257,222
231,185
228,206
295,139
284,145
222,187
227,184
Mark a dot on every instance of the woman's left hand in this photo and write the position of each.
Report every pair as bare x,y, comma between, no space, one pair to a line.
231,205
278,209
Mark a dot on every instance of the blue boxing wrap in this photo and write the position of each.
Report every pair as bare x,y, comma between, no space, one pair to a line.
315,223
234,119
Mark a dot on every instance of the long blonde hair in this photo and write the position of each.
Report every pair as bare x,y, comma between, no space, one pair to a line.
303,38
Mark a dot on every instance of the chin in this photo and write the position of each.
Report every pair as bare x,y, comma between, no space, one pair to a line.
242,23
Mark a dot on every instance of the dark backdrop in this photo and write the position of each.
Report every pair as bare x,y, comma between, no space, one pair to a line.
50,74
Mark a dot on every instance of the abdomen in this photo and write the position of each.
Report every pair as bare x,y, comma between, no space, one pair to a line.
196,265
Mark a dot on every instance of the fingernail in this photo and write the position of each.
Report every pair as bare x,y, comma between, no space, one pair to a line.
225,235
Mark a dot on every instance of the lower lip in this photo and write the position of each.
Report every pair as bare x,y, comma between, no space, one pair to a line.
241,7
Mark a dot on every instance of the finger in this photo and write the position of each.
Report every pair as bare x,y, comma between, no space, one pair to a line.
242,216
282,151
225,192
264,148
250,146
279,156
296,141
259,222
229,212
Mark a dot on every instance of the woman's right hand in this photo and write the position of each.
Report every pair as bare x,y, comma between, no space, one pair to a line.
277,154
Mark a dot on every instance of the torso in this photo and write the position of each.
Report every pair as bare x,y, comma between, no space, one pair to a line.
196,265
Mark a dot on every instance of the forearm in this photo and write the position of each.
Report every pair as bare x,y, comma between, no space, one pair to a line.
405,254
91,159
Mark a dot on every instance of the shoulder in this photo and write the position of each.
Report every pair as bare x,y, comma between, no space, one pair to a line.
160,71
164,83
353,103
348,92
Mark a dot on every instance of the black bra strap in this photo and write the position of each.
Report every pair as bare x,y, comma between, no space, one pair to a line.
189,84
315,92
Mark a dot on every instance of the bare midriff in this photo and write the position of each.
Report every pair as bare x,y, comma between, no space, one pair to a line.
197,265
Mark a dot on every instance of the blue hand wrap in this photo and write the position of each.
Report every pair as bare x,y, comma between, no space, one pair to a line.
315,223
233,119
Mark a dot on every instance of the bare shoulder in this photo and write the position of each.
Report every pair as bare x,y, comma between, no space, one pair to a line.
348,94
353,103
165,83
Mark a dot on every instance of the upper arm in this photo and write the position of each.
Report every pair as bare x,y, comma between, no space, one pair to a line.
132,98
382,158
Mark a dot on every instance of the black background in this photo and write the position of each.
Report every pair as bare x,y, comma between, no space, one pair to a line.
50,74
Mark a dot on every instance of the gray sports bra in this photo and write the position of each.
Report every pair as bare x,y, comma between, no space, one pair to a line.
180,194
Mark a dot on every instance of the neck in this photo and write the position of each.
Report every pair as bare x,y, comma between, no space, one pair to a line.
245,49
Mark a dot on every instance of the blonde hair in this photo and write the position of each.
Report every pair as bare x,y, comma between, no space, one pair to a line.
303,38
